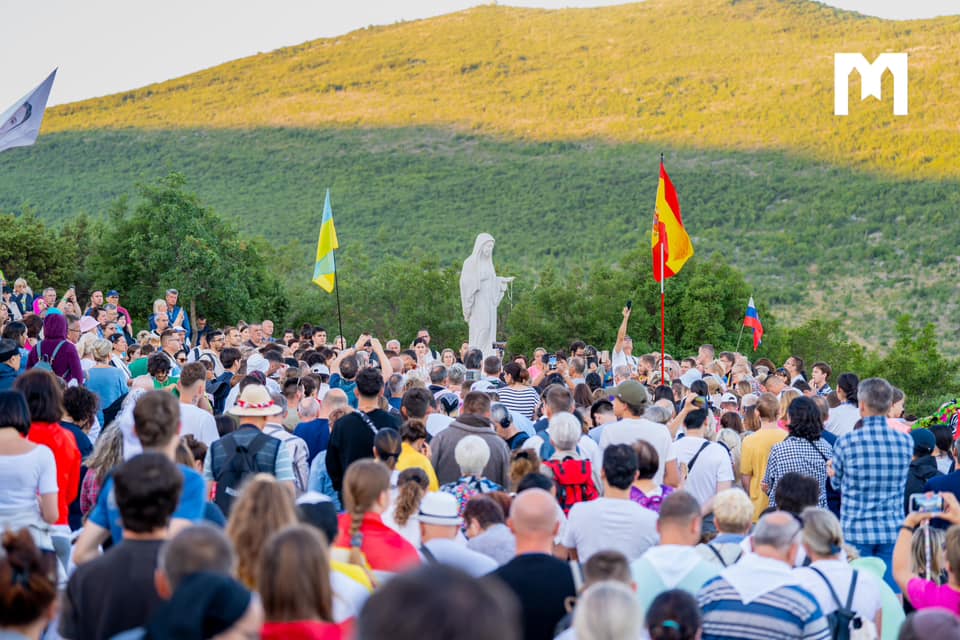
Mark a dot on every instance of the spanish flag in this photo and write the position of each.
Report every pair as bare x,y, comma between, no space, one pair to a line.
324,273
668,232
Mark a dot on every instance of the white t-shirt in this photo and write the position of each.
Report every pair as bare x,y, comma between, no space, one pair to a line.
842,419
454,554
198,423
618,358
866,593
632,429
610,523
437,422
712,466
23,477
349,596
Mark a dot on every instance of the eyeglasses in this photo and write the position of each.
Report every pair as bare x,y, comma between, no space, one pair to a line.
182,360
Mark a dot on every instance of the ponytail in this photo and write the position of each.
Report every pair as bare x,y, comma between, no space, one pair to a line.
411,487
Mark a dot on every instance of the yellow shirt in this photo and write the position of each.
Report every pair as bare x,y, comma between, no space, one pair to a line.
410,457
753,462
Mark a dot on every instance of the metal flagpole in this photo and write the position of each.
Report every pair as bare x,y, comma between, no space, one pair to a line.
336,285
663,303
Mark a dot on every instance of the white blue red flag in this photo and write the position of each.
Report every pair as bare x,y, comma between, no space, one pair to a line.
752,320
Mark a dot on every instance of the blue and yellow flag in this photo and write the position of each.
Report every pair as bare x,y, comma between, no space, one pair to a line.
324,273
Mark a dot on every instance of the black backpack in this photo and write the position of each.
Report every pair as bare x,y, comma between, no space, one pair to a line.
239,464
841,620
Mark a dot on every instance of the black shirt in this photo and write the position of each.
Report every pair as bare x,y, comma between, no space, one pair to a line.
542,584
516,440
113,593
352,439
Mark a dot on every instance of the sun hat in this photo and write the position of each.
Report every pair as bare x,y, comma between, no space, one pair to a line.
87,323
440,508
255,401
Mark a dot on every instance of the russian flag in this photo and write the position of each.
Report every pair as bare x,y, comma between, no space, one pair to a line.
752,320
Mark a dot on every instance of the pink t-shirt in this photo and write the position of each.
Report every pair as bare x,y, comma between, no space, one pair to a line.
926,594
898,425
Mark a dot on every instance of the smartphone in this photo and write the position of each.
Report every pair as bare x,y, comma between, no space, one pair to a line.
604,356
630,304
552,363
923,503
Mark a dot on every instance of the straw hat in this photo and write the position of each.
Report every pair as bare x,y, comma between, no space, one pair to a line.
255,401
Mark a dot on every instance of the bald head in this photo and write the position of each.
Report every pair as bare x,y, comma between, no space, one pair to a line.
533,517
335,398
777,536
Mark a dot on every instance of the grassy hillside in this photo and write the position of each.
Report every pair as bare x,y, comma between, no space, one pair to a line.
741,74
544,128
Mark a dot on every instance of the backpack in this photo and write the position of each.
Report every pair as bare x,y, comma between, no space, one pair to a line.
239,464
45,363
574,479
844,623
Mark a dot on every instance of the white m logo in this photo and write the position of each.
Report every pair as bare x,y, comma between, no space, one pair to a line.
870,76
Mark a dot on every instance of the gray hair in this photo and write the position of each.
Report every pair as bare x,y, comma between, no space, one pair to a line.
657,413
822,532
472,454
457,374
500,415
778,530
622,371
876,394
438,374
309,408
608,609
565,431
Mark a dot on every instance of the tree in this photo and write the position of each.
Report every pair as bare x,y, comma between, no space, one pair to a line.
30,250
171,240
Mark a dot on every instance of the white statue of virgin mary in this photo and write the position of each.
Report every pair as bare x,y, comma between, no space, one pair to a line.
481,291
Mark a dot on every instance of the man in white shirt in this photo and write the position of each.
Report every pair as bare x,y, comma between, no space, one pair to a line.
439,529
623,348
612,522
295,445
195,420
709,469
630,400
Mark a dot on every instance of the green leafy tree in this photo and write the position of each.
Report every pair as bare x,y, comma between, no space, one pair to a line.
31,250
172,240
822,340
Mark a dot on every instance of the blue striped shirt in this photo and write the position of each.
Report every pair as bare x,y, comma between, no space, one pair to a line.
785,613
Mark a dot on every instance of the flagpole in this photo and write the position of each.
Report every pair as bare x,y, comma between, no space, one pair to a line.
738,339
663,312
336,286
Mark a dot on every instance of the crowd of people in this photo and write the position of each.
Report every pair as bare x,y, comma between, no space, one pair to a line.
185,481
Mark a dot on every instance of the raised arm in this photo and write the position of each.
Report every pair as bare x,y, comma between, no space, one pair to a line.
385,367
622,331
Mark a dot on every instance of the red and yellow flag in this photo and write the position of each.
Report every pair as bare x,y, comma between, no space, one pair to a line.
668,231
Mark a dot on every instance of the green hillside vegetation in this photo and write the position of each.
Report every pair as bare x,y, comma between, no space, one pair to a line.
544,129
732,74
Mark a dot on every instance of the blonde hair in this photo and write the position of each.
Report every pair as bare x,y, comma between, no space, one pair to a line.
264,507
160,306
787,396
733,511
607,610
363,484
85,345
101,350
107,452
412,485
918,552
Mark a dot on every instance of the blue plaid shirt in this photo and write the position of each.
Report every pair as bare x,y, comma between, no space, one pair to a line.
871,468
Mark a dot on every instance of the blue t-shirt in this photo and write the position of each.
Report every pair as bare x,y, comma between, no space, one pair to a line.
191,507
349,387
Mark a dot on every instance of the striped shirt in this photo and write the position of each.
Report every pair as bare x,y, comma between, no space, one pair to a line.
523,401
786,613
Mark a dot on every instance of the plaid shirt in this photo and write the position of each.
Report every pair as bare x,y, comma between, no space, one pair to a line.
871,468
797,455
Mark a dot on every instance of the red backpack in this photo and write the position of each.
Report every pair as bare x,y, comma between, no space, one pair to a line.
574,479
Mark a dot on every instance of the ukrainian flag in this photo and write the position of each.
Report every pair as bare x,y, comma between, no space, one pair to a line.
324,273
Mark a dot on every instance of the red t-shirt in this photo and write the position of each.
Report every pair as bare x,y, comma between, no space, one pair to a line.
384,548
67,456
307,630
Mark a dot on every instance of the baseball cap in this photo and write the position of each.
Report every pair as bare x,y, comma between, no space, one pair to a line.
320,369
113,293
8,349
923,439
729,398
440,508
691,376
631,392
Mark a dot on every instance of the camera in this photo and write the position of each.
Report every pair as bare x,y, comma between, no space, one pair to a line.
472,375
924,503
